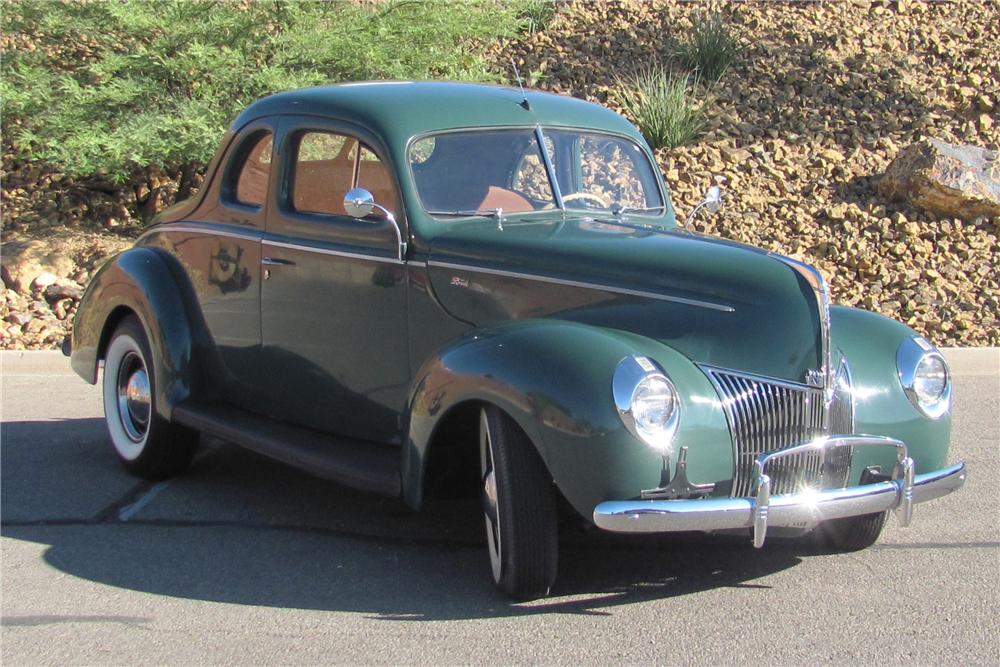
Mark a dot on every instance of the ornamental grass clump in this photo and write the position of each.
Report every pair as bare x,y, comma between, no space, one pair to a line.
664,105
710,48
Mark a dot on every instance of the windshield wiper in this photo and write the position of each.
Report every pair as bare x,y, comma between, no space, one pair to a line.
618,209
495,213
486,213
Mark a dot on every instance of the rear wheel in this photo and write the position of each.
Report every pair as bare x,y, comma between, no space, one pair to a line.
519,509
145,443
851,534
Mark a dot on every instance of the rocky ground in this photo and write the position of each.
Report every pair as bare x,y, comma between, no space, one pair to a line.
819,101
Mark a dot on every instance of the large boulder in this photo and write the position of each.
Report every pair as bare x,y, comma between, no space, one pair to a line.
22,262
951,181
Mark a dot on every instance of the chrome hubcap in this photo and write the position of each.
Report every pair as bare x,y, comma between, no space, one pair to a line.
134,403
490,493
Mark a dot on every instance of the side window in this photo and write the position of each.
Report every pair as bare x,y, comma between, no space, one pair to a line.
374,177
324,172
251,186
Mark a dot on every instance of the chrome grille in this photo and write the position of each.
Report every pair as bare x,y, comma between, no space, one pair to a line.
766,414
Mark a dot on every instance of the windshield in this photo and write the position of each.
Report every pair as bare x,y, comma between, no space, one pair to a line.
476,172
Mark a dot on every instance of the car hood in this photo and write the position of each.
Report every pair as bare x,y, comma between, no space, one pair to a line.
720,303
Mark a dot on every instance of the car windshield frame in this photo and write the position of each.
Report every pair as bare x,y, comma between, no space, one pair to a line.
539,139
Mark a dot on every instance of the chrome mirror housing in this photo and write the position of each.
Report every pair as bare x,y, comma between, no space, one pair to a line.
711,203
359,203
713,199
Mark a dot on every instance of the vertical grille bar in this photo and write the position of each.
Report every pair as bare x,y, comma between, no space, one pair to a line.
765,415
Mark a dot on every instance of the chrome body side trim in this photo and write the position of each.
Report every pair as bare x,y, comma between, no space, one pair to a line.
268,242
328,251
575,283
170,227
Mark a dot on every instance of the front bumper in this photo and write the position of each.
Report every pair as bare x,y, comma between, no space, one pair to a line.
798,510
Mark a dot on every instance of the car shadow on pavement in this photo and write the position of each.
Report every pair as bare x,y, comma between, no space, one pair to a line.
241,529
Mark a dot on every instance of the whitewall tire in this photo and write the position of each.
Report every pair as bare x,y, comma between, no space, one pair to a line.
145,443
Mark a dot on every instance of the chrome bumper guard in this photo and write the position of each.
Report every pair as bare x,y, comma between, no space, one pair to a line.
799,510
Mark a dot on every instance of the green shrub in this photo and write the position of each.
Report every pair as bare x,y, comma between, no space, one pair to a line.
107,87
664,105
537,14
709,48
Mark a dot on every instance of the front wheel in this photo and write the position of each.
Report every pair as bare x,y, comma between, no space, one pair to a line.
519,508
145,443
850,534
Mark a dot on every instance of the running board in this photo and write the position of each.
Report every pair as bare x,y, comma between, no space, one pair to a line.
360,465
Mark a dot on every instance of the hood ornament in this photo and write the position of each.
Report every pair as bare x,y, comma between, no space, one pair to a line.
815,378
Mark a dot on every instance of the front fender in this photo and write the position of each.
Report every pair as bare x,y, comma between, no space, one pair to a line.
869,342
140,280
554,378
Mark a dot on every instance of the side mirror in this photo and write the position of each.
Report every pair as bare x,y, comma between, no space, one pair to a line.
359,203
711,203
713,199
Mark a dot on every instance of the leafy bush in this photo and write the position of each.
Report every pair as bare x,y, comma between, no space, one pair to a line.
664,105
110,87
709,48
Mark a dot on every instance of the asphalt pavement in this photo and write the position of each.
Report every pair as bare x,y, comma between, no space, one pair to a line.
243,560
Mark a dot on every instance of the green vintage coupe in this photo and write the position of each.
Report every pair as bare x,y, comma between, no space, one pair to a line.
415,287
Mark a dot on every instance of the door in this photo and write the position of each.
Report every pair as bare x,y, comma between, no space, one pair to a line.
333,299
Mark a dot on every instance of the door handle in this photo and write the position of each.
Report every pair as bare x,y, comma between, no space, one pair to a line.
276,261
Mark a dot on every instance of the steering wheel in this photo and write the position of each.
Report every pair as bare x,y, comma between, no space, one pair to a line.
604,203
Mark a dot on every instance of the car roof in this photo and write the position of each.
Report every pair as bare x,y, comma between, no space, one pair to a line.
398,110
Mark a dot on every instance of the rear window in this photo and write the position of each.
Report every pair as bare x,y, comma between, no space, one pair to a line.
251,185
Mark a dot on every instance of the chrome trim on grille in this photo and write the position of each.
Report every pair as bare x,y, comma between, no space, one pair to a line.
766,414
821,291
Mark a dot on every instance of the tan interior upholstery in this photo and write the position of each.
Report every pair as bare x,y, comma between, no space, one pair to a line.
508,200
320,185
251,188
374,177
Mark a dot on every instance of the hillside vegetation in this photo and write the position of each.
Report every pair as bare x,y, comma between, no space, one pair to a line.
111,110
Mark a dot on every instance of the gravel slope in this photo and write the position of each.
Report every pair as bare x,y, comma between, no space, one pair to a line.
821,98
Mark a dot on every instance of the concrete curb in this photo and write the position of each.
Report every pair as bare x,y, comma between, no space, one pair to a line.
962,360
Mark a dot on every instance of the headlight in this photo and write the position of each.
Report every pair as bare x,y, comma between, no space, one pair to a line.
924,376
647,401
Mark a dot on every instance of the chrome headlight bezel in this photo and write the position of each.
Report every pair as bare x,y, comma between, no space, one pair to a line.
910,357
632,373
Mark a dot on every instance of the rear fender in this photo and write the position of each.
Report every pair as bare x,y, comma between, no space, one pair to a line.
144,282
